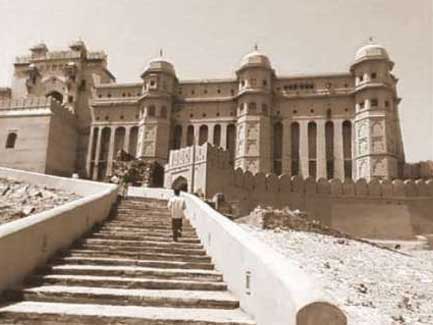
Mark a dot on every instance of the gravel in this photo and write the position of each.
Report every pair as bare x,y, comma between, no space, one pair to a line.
373,286
19,199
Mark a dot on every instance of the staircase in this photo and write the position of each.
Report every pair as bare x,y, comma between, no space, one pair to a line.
128,271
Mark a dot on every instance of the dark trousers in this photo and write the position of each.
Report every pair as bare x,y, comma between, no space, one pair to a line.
177,228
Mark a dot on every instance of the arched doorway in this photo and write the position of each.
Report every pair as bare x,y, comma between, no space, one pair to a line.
56,95
180,183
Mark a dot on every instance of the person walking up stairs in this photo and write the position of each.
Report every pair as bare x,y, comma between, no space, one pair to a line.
176,205
128,271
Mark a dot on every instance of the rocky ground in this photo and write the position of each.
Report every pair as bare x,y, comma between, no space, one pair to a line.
373,286
18,199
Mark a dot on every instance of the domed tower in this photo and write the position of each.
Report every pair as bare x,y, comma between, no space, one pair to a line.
159,84
253,138
378,149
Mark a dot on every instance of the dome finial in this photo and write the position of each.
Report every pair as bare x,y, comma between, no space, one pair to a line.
161,52
256,47
371,40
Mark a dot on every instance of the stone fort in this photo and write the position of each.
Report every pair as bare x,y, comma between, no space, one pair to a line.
65,113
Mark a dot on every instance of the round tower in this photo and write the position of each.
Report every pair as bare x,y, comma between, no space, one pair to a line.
253,139
159,84
378,150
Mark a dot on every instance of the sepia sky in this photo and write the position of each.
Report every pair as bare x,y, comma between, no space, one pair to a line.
207,38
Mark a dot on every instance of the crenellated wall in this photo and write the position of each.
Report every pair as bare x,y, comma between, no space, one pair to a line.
377,209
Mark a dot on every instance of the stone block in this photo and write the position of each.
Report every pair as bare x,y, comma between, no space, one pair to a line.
310,186
348,187
374,188
386,188
336,187
398,188
361,187
323,187
298,184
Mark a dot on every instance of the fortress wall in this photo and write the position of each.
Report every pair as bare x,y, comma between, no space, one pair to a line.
31,144
375,209
46,136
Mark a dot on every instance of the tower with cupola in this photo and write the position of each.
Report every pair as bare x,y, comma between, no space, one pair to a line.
378,151
159,86
254,104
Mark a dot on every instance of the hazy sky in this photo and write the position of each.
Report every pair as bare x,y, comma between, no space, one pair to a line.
207,38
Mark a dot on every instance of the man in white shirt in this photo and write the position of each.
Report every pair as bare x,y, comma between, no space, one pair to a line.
176,205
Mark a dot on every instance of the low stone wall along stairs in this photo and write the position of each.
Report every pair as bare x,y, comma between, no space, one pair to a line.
127,271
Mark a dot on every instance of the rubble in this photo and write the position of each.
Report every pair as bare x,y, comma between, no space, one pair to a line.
374,286
19,200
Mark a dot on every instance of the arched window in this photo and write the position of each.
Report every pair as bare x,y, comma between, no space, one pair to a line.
252,107
119,140
312,149
347,148
190,135
151,110
56,95
177,137
329,140
217,135
163,112
203,134
231,141
295,147
133,139
11,140
278,147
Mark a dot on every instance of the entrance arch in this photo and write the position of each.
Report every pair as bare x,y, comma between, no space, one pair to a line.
180,183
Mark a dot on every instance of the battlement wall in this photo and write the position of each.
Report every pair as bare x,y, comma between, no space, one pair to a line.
273,184
398,209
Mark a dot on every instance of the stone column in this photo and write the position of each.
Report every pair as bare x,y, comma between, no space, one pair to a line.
338,150
287,143
321,149
303,148
111,151
89,152
127,139
223,143
196,133
210,133
97,154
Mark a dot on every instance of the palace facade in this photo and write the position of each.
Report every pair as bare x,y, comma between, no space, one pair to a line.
65,113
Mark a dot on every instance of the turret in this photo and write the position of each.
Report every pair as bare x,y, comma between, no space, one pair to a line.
39,50
378,149
253,147
159,84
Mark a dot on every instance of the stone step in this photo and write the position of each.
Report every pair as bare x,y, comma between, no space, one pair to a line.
107,235
133,262
142,211
123,242
167,236
145,224
139,255
146,229
137,271
141,248
127,297
123,282
43,313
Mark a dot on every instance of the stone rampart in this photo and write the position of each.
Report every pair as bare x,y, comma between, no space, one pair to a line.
378,208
